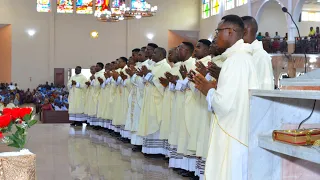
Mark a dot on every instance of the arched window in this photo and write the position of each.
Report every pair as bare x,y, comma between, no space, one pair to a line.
229,4
215,6
205,8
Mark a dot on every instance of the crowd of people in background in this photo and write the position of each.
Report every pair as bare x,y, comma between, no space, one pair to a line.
44,97
309,44
50,98
273,45
10,95
306,44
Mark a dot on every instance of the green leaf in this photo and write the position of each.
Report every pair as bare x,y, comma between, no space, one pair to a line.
32,122
27,117
17,139
14,145
10,126
14,139
20,129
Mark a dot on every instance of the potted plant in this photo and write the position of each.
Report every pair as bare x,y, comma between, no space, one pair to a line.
14,124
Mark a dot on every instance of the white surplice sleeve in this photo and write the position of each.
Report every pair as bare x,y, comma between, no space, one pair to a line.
230,82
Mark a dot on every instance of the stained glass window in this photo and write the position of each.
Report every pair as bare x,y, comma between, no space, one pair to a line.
140,4
84,7
241,2
43,6
117,3
102,6
64,6
205,8
229,4
215,5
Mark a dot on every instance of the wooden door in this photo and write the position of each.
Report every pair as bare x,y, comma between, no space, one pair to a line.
59,76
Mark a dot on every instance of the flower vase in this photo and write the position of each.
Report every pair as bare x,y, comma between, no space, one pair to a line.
20,165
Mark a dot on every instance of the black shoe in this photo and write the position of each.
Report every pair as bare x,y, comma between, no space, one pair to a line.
195,178
153,156
73,124
115,134
78,124
166,158
187,174
125,140
178,170
96,128
137,148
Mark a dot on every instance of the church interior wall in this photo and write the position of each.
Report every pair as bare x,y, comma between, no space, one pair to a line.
208,25
272,19
5,53
305,27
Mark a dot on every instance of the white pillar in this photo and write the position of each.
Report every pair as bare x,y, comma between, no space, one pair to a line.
292,30
249,8
52,41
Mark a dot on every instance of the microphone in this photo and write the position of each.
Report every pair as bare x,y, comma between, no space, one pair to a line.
285,10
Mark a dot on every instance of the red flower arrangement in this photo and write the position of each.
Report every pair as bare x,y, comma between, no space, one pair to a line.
21,118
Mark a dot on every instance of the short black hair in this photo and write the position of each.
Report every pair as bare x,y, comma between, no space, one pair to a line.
100,64
235,20
136,50
190,46
152,45
124,59
206,42
107,64
143,48
163,51
79,67
252,22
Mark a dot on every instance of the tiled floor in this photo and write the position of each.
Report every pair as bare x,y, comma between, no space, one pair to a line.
66,153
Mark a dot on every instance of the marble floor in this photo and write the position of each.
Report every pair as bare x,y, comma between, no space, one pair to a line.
67,153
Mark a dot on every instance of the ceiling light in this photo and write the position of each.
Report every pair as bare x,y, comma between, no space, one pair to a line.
94,34
150,36
31,32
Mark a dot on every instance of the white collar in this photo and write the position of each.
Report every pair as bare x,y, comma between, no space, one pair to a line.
160,62
239,46
257,46
178,64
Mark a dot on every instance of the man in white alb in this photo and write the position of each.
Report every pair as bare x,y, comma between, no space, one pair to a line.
260,58
228,99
